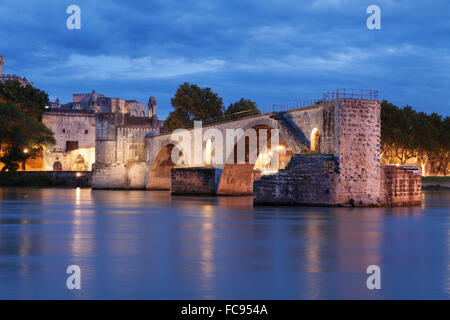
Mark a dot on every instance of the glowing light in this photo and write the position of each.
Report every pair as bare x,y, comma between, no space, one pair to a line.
280,147
208,153
25,150
315,140
79,174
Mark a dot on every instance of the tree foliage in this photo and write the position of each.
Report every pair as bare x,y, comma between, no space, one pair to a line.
193,103
407,134
22,134
243,107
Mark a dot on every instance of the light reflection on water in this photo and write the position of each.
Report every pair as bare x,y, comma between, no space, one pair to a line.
149,245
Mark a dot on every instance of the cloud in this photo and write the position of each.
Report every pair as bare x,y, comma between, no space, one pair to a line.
269,51
126,68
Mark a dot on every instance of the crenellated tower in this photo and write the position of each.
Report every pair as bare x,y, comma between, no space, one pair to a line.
152,107
2,62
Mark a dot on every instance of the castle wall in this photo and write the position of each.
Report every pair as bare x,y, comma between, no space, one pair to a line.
70,129
120,152
67,126
70,161
136,109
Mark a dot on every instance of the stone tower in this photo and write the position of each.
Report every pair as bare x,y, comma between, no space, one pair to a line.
2,62
152,107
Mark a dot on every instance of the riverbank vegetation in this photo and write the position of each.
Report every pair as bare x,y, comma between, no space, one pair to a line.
22,133
411,137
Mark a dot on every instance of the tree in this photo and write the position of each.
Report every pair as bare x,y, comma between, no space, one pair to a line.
389,114
407,134
241,108
30,100
22,134
193,103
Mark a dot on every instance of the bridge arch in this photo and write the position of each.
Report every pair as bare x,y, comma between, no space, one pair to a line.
159,176
237,178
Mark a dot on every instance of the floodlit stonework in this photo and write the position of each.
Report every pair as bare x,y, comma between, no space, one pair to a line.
74,127
74,132
351,175
120,151
329,156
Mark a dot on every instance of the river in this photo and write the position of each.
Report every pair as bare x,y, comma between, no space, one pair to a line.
149,245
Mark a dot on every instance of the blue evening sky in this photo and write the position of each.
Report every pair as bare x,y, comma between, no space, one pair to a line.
267,51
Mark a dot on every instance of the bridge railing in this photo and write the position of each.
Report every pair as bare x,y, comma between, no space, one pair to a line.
349,93
280,107
226,118
343,93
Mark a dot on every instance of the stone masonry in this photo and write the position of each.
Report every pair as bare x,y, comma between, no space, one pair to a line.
120,151
352,175
343,168
201,180
401,187
307,180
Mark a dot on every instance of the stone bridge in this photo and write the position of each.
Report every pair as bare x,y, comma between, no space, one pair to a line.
296,129
329,154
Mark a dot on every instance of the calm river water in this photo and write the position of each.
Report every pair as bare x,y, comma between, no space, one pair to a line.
149,245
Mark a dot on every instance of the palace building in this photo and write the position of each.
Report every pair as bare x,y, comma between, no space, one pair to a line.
74,123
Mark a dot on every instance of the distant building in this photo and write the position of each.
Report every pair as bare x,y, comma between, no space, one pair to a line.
74,125
96,102
11,77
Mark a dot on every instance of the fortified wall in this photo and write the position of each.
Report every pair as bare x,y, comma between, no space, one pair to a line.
74,132
120,151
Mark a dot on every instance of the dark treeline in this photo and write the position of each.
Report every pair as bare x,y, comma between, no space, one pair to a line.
408,136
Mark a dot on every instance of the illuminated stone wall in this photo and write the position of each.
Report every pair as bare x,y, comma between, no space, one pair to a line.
70,128
351,175
120,151
357,146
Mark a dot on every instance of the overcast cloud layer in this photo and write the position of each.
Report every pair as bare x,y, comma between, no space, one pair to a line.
267,51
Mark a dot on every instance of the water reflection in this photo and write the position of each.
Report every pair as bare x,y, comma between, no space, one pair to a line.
140,244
